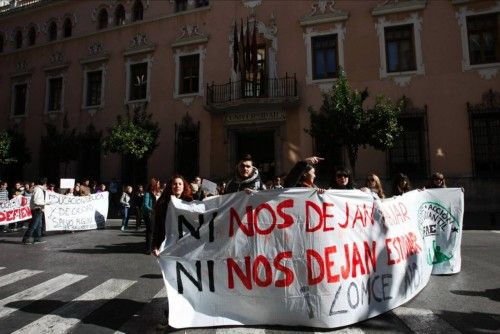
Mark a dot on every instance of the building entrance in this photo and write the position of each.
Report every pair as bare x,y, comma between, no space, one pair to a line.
260,144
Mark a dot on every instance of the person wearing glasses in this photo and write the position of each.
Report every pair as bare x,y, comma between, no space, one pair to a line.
246,177
437,180
374,186
342,179
401,184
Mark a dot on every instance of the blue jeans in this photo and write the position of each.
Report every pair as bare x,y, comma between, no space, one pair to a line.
35,228
126,215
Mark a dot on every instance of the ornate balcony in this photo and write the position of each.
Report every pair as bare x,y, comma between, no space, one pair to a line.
269,92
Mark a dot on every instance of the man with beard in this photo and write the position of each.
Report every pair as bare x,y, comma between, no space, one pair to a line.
246,177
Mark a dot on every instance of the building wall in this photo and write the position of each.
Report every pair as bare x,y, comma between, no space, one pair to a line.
443,86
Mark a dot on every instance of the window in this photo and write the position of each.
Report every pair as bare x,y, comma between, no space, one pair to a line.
52,31
138,84
55,94
483,34
180,5
325,57
102,21
67,28
485,135
408,155
189,74
94,88
119,15
399,48
137,11
19,39
32,36
19,99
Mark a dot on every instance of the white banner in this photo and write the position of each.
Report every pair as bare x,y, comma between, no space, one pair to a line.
295,257
75,213
15,210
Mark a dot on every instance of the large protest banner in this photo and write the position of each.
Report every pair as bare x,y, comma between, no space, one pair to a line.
75,213
296,257
15,210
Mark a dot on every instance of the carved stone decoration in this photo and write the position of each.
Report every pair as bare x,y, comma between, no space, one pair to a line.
323,11
490,101
57,57
190,34
139,40
398,6
251,3
95,49
190,31
22,66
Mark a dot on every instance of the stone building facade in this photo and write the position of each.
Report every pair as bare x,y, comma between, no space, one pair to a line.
80,63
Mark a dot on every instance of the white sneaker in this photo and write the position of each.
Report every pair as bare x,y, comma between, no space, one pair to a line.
123,228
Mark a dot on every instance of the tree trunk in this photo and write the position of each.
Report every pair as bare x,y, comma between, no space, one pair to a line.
352,153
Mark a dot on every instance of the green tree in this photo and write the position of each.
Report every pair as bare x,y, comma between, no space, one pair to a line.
343,120
14,154
135,136
5,144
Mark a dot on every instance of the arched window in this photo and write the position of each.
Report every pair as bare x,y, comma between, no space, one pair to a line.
137,11
67,28
102,20
32,36
1,43
119,15
52,31
19,39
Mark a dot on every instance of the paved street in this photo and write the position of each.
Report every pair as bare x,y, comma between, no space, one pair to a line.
101,282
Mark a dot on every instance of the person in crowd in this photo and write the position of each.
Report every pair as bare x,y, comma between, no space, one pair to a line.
269,184
4,197
77,190
374,186
302,174
27,192
342,179
151,196
93,187
278,182
114,196
179,188
198,193
17,187
37,205
4,193
437,180
70,192
85,188
138,201
246,177
125,202
401,184
221,189
101,188
51,187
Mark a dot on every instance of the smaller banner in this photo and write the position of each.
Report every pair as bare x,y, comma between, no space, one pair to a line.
15,210
75,213
67,183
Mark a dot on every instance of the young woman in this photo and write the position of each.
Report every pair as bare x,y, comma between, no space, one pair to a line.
150,198
125,201
177,187
437,180
342,179
401,184
374,186
302,174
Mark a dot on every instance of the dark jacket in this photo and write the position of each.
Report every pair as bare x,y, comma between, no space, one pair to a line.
253,182
295,174
160,213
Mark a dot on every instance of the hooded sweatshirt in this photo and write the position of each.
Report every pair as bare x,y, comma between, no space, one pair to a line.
238,184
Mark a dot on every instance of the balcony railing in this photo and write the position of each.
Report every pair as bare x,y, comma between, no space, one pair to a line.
270,91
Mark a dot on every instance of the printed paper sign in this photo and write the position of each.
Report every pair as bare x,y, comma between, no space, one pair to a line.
209,186
67,183
295,257
75,213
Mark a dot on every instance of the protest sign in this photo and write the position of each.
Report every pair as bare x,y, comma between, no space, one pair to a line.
75,213
15,210
209,186
67,183
295,257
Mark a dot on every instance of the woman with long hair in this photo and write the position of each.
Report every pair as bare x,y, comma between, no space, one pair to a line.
437,180
374,186
178,187
401,184
151,196
303,174
342,179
